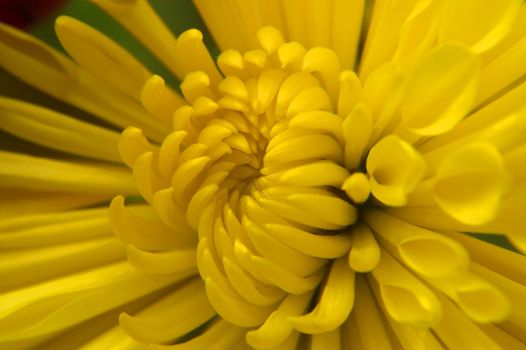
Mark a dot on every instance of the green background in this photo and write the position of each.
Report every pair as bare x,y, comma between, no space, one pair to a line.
179,15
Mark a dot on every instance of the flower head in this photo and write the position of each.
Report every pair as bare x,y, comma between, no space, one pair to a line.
309,188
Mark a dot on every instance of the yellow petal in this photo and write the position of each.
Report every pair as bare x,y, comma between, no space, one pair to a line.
53,73
335,303
58,131
273,249
16,203
83,296
53,228
365,252
424,251
319,173
305,147
456,330
247,286
406,299
350,92
357,128
199,201
317,19
130,227
147,182
140,19
514,293
347,17
357,187
322,210
405,335
440,91
309,99
321,121
323,246
234,86
101,56
169,153
185,176
384,29
221,334
23,171
231,63
132,144
418,32
291,88
503,261
269,83
382,93
165,262
223,297
503,71
470,183
188,301
224,30
235,311
502,338
168,212
478,24
325,63
295,20
159,100
291,56
372,329
277,327
270,39
192,55
289,282
31,266
480,300
395,168
327,340
510,102
35,63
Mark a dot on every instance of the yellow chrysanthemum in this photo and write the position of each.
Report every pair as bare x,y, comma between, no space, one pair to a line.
310,189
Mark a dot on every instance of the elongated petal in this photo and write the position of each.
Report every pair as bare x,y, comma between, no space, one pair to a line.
470,183
478,25
395,168
335,303
57,131
440,91
406,299
23,171
422,250
277,327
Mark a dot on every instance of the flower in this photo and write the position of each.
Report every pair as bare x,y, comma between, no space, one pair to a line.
311,190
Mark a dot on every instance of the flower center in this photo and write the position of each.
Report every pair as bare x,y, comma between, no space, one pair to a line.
268,165
268,195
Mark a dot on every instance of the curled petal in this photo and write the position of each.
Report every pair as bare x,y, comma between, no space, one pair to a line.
395,168
440,91
477,24
406,299
335,304
470,183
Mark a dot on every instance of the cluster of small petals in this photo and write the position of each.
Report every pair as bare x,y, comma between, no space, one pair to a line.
256,168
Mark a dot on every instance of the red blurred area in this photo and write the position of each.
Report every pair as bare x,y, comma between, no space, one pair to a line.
23,13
